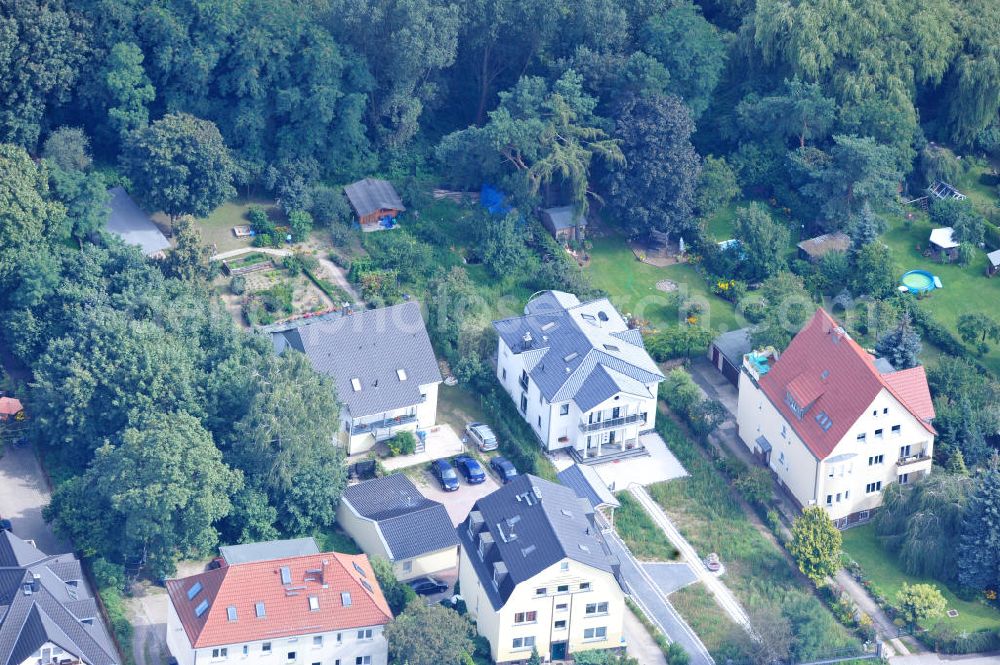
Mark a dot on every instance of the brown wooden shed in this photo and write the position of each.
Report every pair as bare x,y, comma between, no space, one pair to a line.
374,201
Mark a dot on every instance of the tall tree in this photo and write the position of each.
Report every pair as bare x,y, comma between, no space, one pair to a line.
152,496
901,346
180,165
428,635
68,148
285,443
129,90
763,242
874,271
920,602
801,111
188,259
655,186
717,186
979,548
690,48
866,227
976,328
786,308
815,544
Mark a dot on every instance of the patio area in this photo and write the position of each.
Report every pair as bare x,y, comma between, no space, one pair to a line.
442,441
657,465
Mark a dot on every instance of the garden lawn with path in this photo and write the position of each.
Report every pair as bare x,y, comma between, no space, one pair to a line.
886,577
965,288
631,286
639,533
217,228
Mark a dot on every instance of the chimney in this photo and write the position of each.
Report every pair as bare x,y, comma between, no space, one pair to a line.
526,339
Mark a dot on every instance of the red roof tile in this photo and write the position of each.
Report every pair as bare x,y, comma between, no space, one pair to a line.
827,368
286,607
9,406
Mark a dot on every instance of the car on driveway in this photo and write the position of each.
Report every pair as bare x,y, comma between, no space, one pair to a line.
445,475
504,468
471,469
427,586
482,435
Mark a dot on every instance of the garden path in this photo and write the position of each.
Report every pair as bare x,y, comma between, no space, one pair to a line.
868,605
247,250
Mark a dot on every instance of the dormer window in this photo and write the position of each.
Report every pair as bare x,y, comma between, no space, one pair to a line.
793,405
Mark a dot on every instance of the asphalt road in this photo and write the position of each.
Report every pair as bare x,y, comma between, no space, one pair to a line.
645,591
23,494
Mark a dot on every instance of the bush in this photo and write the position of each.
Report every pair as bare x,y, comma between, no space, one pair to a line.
404,443
259,221
238,285
340,234
330,207
300,223
108,575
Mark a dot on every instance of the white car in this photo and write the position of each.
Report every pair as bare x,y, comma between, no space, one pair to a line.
482,435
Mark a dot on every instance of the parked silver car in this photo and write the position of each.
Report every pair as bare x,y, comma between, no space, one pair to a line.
482,435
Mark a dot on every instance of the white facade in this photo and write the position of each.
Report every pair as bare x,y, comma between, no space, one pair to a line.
886,444
360,435
566,608
355,646
610,427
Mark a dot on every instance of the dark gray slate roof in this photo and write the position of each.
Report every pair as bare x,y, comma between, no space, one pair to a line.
371,346
269,550
579,351
134,226
534,524
411,524
733,345
371,195
52,612
563,217
588,485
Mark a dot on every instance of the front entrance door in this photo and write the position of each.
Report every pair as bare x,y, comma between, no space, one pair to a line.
558,650
611,438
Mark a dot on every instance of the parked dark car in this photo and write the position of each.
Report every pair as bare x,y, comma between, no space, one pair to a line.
5,525
504,468
445,474
471,469
427,586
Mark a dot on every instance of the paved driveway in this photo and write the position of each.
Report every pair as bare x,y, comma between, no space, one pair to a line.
23,494
457,503
670,576
660,465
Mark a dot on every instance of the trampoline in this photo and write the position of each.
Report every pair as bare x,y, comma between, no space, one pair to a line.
919,281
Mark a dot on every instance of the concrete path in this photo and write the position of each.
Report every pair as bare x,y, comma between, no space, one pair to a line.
868,605
640,644
654,604
336,274
945,659
24,491
670,576
247,250
723,596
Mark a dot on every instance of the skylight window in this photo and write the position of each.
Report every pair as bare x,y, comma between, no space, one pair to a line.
548,326
231,613
401,373
365,584
201,609
356,384
313,603
194,590
570,356
345,598
611,347
286,575
361,571
260,611
824,420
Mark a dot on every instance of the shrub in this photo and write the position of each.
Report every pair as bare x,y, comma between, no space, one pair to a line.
300,224
330,207
259,221
404,443
108,575
340,234
238,285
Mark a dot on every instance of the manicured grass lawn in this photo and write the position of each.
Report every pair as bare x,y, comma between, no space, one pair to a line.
966,288
720,225
631,285
644,538
217,228
704,508
978,186
886,576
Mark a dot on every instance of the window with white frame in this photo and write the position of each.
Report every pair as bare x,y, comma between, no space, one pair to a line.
896,430
878,434
520,643
876,459
862,437
597,608
525,617
871,488
265,648
363,660
564,566
598,633
317,641
365,634
564,409
220,653
290,655
829,499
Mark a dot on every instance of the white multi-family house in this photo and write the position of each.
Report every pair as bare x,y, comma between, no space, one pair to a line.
383,365
47,613
579,375
536,573
835,424
312,609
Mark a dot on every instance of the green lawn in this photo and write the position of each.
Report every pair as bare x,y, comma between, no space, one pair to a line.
337,541
861,544
965,288
631,285
217,228
716,630
719,226
642,536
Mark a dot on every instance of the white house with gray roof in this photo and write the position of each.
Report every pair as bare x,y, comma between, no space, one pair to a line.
579,375
47,614
536,572
383,367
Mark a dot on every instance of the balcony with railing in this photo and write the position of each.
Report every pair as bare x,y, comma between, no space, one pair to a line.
612,423
385,423
910,460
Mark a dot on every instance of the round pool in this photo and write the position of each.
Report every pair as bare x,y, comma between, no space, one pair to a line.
918,281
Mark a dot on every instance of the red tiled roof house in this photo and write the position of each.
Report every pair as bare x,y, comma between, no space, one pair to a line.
317,609
834,424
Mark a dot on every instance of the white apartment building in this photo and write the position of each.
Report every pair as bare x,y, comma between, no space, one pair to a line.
536,573
579,375
834,424
318,609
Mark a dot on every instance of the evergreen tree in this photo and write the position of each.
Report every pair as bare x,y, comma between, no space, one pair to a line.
866,227
979,548
815,544
901,346
956,463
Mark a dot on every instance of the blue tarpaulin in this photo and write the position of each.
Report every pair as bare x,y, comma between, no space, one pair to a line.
493,200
